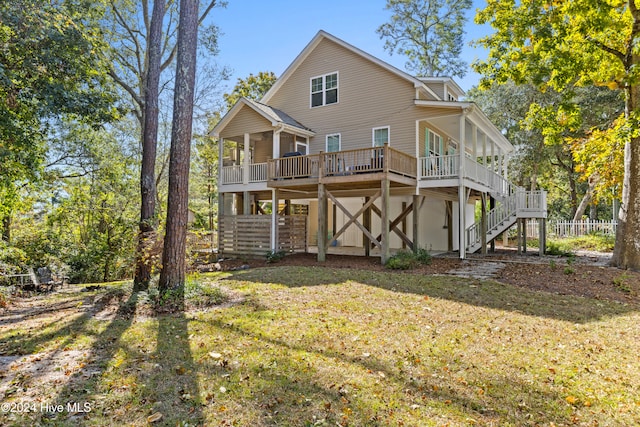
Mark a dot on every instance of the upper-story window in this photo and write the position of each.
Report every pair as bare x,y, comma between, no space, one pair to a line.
333,143
324,90
380,136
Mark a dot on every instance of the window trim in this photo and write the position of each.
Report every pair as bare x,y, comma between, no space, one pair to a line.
373,135
326,142
324,89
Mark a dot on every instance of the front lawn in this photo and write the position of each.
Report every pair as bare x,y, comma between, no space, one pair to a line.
304,346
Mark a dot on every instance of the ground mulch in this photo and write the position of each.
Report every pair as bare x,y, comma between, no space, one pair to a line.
585,275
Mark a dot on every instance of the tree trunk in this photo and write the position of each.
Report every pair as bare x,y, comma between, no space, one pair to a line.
148,223
626,253
582,207
173,272
6,228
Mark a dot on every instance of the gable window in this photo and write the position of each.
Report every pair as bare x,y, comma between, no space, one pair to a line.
324,90
333,143
380,136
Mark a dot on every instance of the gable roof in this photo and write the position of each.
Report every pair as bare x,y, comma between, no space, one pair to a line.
323,35
275,116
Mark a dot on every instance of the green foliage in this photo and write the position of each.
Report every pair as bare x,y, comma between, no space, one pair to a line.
429,33
622,283
253,87
557,248
275,256
407,260
50,68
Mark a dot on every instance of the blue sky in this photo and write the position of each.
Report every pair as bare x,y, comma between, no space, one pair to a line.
268,35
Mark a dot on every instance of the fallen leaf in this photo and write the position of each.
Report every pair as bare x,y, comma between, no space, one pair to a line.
153,418
571,400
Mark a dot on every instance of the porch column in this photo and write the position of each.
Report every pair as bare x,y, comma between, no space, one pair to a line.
505,166
474,138
493,157
246,161
462,228
274,219
276,143
384,218
323,213
484,150
499,171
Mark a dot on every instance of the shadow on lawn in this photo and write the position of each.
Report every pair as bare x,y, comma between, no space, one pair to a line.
485,293
297,392
120,378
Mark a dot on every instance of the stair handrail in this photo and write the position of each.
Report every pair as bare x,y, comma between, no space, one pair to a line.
495,217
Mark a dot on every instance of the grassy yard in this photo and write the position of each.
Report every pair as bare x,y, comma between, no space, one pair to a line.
306,346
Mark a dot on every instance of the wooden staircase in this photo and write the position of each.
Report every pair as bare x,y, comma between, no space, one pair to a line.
518,204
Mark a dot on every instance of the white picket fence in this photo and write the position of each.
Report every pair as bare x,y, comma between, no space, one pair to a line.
572,228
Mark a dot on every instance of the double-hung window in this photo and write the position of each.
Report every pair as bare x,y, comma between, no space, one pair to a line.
380,136
324,90
333,143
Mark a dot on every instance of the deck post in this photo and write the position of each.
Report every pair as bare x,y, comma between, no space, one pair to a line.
366,219
323,213
483,223
274,219
542,235
492,205
524,235
384,218
246,203
519,235
415,220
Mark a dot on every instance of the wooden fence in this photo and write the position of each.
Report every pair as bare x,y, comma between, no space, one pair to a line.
573,228
251,234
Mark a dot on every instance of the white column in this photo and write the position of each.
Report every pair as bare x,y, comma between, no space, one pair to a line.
462,234
484,150
246,161
276,143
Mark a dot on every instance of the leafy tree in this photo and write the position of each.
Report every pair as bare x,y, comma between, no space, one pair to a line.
429,33
173,272
82,214
253,87
49,70
563,45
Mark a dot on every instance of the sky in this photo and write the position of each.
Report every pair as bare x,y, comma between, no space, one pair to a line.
268,35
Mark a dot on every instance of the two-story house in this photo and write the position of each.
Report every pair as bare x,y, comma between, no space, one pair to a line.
346,150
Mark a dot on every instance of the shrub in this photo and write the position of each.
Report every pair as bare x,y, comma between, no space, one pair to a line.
275,256
406,260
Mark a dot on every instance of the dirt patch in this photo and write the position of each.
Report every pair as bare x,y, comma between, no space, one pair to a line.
586,275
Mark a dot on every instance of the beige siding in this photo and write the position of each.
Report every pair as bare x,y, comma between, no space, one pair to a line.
246,120
438,88
368,96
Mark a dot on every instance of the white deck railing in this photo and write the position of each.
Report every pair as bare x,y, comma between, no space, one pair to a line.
235,174
232,174
447,167
520,204
258,172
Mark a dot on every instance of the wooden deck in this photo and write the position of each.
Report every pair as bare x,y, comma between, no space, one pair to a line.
343,167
